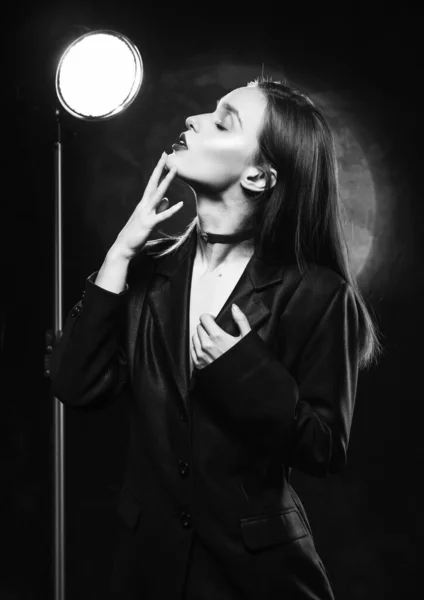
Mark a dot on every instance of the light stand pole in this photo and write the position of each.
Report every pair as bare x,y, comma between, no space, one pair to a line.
99,76
59,415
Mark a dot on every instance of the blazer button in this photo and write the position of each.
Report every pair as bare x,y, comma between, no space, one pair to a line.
182,415
185,520
184,469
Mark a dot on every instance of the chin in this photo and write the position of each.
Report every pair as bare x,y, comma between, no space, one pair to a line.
174,161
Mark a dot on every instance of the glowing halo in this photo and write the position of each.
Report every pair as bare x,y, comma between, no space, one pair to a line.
99,75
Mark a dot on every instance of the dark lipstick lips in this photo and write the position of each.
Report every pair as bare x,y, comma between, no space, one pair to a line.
181,144
182,139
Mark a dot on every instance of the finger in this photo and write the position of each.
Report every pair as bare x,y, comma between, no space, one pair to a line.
165,214
153,182
195,358
197,346
209,324
241,320
165,183
203,335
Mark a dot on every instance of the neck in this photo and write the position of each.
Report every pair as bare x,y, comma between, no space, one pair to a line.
220,217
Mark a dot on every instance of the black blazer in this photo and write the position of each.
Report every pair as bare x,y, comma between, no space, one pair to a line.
206,500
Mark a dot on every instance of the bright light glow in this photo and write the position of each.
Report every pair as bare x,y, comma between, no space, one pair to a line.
99,75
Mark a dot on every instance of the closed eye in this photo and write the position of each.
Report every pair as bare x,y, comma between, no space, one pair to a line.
220,127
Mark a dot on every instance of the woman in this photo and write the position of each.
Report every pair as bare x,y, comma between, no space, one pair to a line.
240,341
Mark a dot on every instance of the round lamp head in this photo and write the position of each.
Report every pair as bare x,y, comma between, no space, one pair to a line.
99,75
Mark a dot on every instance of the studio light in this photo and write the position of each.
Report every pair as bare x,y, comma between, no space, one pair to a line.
98,76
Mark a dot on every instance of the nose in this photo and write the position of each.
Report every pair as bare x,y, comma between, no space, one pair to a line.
191,123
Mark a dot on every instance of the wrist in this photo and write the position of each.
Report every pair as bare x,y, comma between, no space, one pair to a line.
117,255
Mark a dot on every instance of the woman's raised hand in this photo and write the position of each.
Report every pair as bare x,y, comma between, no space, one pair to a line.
151,210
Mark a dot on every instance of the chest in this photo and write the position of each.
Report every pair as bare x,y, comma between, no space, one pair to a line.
210,290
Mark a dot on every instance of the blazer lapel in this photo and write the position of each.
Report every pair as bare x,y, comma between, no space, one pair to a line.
169,301
137,293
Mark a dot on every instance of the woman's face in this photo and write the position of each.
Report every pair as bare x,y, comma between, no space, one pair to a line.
220,143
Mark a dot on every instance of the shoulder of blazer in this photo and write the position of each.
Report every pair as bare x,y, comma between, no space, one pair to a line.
322,278
311,298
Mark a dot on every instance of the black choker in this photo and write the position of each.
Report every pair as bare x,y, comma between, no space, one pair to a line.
225,238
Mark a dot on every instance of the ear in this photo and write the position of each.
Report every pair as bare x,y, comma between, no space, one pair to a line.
257,179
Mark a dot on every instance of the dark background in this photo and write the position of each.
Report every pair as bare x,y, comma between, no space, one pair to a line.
367,520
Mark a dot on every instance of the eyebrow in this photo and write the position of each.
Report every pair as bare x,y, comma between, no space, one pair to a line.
231,109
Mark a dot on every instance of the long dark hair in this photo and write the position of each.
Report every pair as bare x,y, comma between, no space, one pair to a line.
299,219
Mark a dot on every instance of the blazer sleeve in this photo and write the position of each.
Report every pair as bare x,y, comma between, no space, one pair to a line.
307,419
88,364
